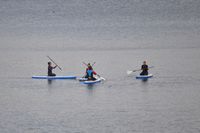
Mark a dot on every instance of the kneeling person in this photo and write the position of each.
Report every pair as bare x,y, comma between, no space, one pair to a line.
144,69
50,68
90,74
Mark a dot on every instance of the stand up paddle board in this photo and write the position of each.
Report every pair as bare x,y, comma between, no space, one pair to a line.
144,77
54,77
90,82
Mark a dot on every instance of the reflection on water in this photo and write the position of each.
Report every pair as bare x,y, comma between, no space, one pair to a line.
90,89
49,82
144,80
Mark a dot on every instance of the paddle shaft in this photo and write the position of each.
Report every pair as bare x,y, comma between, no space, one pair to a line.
129,72
141,69
136,70
54,63
84,63
87,64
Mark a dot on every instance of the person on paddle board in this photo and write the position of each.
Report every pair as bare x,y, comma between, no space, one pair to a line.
50,68
90,73
144,68
88,65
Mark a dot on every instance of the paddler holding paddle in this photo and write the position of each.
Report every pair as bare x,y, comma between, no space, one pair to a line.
50,68
90,73
144,68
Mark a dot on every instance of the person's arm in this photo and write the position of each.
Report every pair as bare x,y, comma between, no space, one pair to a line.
54,67
86,70
146,68
94,73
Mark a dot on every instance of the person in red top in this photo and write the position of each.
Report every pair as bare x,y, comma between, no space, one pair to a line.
88,65
89,73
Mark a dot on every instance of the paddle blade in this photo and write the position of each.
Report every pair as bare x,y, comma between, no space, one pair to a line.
129,72
60,68
54,62
102,78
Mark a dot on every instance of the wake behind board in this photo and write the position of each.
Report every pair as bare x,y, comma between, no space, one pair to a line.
144,77
54,77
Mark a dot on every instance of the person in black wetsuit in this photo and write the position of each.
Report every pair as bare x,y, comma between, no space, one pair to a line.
144,68
50,68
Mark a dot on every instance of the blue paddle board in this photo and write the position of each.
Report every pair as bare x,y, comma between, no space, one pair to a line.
54,77
90,82
144,77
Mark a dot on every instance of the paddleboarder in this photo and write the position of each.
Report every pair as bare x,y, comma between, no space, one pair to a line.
144,68
50,68
89,73
88,65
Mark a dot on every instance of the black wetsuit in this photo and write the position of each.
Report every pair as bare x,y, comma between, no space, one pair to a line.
144,70
90,74
50,68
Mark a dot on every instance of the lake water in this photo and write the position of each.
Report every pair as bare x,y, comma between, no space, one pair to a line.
118,36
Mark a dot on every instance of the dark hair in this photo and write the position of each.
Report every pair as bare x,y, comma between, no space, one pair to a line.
90,68
49,63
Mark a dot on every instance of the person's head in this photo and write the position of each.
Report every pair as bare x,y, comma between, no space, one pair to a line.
144,62
90,67
49,63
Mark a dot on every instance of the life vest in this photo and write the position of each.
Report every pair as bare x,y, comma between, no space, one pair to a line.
90,73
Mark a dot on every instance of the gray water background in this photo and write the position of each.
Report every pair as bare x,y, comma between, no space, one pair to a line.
116,34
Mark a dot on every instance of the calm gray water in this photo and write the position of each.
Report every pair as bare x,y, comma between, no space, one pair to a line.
116,34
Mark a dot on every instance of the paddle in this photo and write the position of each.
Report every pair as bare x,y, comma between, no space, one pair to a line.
87,64
84,63
93,64
129,72
54,63
101,77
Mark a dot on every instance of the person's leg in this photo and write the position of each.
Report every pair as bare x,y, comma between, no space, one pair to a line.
52,74
86,76
142,73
